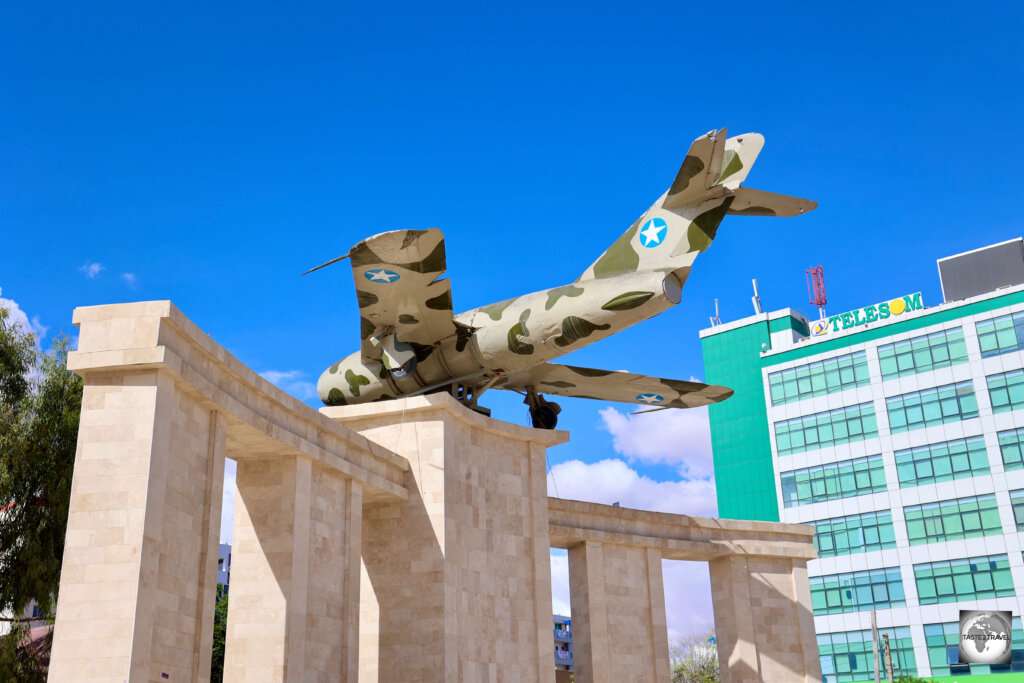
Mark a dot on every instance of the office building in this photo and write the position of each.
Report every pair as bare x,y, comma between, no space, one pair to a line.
897,430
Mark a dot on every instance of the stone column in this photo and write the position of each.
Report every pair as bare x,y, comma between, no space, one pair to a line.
294,608
619,624
138,584
763,605
459,577
163,406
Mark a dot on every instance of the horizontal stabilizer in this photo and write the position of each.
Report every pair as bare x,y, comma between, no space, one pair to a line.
749,202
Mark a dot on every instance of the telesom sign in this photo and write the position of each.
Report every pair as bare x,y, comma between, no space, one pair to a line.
868,314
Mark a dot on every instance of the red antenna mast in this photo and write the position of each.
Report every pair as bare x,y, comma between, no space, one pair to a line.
816,289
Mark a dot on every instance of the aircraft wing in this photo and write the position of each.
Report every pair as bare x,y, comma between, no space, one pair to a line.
398,290
606,385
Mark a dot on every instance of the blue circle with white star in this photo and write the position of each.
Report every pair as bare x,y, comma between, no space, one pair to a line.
649,398
381,275
653,232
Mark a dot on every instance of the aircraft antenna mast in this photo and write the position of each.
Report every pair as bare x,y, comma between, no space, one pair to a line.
816,289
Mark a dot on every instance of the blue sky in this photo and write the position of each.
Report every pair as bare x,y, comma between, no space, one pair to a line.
208,155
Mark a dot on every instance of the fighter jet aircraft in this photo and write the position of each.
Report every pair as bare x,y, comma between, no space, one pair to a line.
413,343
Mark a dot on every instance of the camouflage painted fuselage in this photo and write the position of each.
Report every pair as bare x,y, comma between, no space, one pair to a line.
501,338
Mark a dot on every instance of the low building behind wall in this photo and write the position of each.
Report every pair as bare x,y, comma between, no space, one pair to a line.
563,642
897,430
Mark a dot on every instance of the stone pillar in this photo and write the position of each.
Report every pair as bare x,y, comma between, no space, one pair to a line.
294,608
619,624
763,605
138,584
459,577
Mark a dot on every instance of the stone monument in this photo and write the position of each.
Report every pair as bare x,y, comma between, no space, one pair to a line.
405,540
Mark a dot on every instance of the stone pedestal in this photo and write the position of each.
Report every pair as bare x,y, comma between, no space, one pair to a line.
763,620
459,578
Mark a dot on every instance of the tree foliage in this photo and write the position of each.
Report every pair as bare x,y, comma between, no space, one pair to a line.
22,660
220,628
694,659
40,402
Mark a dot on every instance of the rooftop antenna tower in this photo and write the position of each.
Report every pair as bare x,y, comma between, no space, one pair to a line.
716,319
816,289
756,299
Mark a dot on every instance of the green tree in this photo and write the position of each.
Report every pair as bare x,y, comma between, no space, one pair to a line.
220,628
694,659
40,402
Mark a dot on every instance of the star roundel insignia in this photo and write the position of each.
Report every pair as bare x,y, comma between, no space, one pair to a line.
381,275
653,232
649,398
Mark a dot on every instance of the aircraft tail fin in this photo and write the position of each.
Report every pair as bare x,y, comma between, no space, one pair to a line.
713,161
683,222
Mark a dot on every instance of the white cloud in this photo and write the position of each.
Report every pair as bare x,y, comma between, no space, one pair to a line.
227,509
130,279
613,481
292,382
560,582
276,376
681,438
91,270
687,598
19,317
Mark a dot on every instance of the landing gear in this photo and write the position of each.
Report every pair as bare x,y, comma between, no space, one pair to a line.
467,395
543,413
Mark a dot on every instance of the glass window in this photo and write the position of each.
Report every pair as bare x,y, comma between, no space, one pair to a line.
847,656
856,591
1006,390
943,643
819,378
938,405
971,578
830,428
854,534
1017,504
835,480
929,352
1011,446
942,461
949,520
1001,335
